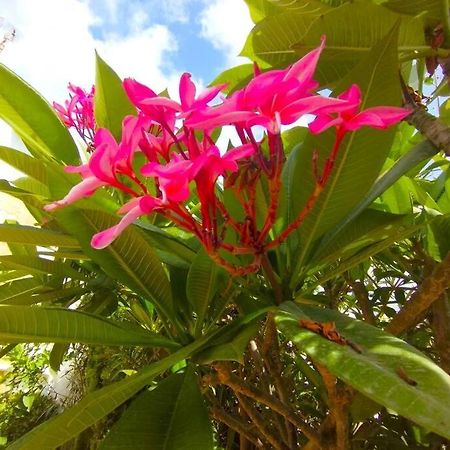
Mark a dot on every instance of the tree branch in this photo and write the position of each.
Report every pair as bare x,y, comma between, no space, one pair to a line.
241,387
432,287
231,422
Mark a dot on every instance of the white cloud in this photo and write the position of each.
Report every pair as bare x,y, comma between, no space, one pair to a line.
54,45
226,24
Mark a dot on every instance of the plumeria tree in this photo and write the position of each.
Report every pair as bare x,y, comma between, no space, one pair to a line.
292,287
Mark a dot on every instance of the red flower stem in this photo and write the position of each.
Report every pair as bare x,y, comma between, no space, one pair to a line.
235,270
234,250
175,140
320,186
227,217
139,183
276,147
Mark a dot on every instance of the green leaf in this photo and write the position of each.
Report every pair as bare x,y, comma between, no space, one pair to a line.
172,416
96,405
271,40
28,165
111,103
361,155
235,78
375,371
420,152
201,285
370,227
17,289
23,234
130,259
33,119
430,8
39,324
259,9
233,350
40,265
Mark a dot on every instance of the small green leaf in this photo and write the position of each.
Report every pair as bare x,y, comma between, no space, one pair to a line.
377,370
111,103
172,416
201,285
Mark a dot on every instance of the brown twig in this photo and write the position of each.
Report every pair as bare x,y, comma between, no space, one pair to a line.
271,352
237,425
241,387
362,297
430,290
440,324
260,423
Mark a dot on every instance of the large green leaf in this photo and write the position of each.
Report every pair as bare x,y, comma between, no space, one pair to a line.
271,40
111,103
436,9
33,119
425,395
39,324
420,152
23,234
201,285
130,259
172,416
361,155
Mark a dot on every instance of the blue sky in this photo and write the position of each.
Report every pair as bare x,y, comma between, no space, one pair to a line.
153,41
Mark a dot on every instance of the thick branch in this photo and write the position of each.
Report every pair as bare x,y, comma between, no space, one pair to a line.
440,324
432,287
431,127
339,399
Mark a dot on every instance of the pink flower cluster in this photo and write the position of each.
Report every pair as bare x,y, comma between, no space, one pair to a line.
78,112
182,162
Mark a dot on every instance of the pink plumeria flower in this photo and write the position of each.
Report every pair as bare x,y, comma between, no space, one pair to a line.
188,101
85,188
78,111
351,119
133,209
272,99
213,165
173,177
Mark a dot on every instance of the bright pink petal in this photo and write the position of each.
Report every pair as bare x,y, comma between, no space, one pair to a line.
161,101
134,209
304,69
243,151
322,123
105,237
136,91
315,104
187,91
207,123
84,189
210,93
